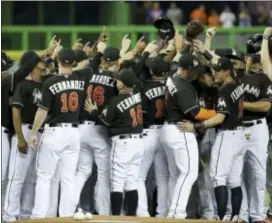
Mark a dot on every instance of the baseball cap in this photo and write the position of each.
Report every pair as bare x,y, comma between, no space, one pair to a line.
66,56
157,65
29,55
189,61
128,77
231,54
6,62
223,64
165,27
256,58
111,54
80,55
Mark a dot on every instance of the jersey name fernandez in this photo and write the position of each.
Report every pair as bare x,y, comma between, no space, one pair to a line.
155,92
129,102
237,93
66,85
102,79
171,86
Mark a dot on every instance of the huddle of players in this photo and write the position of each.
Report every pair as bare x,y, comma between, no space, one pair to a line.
151,96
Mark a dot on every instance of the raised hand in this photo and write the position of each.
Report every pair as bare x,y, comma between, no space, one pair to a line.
78,45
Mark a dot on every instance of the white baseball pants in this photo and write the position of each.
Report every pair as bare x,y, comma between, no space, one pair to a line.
153,152
20,167
183,147
256,146
5,162
125,162
94,147
59,147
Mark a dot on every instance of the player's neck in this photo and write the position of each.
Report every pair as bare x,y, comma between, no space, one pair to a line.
228,80
125,91
65,70
33,78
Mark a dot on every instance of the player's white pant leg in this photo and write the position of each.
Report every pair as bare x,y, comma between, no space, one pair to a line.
5,162
149,145
54,194
172,166
101,149
65,153
244,211
125,161
185,149
18,170
257,158
85,161
162,178
28,192
269,178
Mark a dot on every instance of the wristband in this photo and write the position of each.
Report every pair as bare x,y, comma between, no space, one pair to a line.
266,37
208,55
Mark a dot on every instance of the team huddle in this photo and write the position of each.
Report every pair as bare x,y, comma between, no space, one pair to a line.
198,116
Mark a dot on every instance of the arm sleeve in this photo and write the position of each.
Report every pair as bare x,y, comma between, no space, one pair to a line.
266,89
140,64
23,71
18,96
108,114
223,104
47,97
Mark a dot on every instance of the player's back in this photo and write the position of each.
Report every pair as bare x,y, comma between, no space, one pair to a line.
63,96
153,94
101,87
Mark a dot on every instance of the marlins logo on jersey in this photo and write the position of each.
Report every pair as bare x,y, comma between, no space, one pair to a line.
221,103
37,96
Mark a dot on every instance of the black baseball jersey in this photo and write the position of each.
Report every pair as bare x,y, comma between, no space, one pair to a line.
123,114
63,95
27,95
180,99
257,87
207,97
101,87
230,103
153,94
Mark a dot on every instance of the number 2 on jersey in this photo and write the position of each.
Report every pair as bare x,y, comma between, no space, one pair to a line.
96,94
69,103
137,116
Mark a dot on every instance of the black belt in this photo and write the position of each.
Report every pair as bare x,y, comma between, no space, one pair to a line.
86,121
250,124
129,136
6,131
63,125
172,122
31,127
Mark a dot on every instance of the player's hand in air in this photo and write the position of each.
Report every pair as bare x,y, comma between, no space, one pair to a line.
198,46
126,42
90,106
186,126
268,31
22,145
78,45
57,50
140,45
33,141
211,32
103,35
101,46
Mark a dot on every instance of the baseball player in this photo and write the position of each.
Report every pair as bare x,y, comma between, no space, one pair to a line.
182,146
101,87
153,115
257,95
123,116
62,97
227,155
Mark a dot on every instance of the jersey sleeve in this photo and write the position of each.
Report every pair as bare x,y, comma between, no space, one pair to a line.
224,101
108,114
47,96
187,100
19,96
266,89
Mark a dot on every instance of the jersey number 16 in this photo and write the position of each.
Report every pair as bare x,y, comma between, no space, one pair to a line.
137,116
70,102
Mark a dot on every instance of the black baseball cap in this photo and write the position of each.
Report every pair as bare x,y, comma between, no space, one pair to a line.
80,55
165,27
66,56
223,64
128,77
157,65
189,62
29,55
111,54
6,62
256,58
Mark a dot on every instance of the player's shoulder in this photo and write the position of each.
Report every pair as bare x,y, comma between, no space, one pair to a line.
83,73
228,88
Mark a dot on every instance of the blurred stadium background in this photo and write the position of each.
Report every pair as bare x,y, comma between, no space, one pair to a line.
30,25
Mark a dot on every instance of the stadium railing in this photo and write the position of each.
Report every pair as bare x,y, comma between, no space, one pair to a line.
21,38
